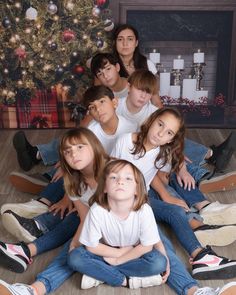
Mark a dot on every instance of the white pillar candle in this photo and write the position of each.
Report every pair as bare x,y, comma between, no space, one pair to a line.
174,91
189,88
164,83
198,57
200,93
155,57
178,63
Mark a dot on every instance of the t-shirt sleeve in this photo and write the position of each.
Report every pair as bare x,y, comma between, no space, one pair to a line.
91,232
149,234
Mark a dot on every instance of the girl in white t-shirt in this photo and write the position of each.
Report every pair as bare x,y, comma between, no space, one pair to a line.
121,242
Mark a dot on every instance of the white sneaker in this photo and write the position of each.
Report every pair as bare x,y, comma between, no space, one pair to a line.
219,214
28,210
205,291
89,282
15,289
216,235
228,289
144,282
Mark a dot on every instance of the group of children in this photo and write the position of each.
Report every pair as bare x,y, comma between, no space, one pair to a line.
120,175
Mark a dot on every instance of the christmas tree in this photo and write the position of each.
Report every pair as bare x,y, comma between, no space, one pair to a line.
47,42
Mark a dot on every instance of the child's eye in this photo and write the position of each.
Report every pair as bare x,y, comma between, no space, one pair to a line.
129,178
91,108
102,101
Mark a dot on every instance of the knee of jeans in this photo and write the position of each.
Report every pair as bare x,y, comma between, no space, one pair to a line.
157,262
177,211
74,260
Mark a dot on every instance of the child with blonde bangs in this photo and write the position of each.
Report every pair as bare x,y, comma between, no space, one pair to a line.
121,243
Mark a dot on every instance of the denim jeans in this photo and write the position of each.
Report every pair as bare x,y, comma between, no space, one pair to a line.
56,231
176,217
196,152
59,270
191,197
85,262
54,191
49,152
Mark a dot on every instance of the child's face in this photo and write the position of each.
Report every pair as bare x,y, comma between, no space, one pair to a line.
138,98
126,43
109,75
79,156
102,110
163,130
121,185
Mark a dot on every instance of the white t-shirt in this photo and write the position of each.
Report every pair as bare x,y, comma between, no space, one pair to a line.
145,164
86,195
108,140
122,94
138,228
137,118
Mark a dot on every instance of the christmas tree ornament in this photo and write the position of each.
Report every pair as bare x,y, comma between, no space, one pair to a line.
6,23
96,11
52,8
99,43
31,13
53,45
78,70
20,53
108,25
88,62
102,3
68,35
70,5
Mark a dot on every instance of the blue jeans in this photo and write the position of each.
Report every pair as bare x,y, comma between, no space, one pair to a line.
175,216
196,152
49,152
56,231
85,262
54,191
59,271
191,197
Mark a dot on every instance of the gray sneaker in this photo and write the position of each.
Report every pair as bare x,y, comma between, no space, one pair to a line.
28,210
31,183
15,289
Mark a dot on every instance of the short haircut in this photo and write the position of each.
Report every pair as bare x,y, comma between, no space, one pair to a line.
144,80
100,60
95,93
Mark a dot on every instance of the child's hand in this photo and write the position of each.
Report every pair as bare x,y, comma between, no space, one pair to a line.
185,179
178,202
60,207
74,244
111,260
57,175
167,272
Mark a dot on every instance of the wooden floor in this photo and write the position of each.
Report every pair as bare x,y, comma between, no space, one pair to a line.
8,194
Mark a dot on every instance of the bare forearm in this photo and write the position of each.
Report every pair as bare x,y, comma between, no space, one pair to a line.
134,253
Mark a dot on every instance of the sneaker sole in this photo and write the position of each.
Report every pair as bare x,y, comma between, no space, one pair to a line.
19,143
11,262
26,184
217,237
12,225
225,182
26,210
221,272
223,217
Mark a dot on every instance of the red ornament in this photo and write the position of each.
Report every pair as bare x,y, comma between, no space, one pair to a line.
68,35
20,53
102,3
78,70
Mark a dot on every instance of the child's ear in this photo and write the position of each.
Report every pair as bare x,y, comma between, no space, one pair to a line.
117,67
115,102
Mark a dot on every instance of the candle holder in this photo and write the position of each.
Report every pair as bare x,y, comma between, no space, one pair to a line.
198,70
177,73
